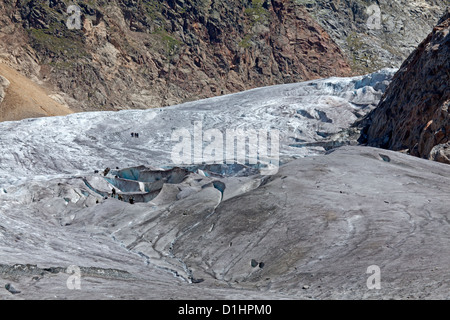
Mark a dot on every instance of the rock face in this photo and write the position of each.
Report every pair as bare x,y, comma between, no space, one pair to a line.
414,112
134,54
376,34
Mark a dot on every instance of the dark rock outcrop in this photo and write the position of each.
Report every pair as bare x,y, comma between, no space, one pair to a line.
413,114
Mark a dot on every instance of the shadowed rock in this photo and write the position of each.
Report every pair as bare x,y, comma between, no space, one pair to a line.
413,115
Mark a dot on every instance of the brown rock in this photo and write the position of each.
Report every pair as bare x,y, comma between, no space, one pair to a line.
131,55
414,112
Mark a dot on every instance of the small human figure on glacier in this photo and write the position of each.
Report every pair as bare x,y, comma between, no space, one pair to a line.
132,134
113,192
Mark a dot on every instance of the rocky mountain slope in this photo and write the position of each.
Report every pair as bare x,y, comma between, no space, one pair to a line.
309,232
141,54
22,98
414,113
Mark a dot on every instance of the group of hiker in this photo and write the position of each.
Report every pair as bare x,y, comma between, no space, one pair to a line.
135,135
114,193
119,197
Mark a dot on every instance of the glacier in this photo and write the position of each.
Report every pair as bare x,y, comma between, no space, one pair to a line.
194,231
84,142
